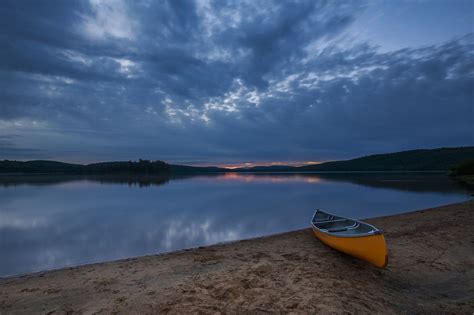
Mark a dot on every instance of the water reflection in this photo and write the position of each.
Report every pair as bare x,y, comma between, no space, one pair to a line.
54,221
38,180
403,181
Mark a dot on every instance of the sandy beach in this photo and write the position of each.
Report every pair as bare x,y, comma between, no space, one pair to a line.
431,270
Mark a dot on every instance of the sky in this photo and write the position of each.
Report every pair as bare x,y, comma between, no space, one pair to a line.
233,82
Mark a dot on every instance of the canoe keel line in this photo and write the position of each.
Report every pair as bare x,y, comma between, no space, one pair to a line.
353,237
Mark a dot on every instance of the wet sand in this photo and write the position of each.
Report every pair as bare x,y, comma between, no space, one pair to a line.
431,270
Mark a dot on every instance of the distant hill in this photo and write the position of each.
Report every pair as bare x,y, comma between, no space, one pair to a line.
414,160
269,169
185,169
107,168
34,167
442,159
406,161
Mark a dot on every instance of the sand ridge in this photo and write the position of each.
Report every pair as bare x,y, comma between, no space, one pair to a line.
431,270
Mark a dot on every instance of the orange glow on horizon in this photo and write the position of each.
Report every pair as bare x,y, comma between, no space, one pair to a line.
232,166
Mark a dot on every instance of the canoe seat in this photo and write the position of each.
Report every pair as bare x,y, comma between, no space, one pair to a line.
329,221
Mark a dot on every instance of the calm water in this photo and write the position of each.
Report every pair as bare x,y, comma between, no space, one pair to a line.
55,221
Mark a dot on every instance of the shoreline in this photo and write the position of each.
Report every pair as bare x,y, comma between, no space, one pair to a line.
45,271
431,269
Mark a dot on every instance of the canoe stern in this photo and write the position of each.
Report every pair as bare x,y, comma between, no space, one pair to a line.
371,248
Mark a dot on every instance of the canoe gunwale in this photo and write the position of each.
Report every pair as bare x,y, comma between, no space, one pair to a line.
375,230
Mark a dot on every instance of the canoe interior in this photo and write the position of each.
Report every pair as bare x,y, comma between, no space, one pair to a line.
343,227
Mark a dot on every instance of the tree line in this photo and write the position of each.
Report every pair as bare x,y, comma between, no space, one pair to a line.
107,168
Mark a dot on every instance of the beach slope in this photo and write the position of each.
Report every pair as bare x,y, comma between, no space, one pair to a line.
431,270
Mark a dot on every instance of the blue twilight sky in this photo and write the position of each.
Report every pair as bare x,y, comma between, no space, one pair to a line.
229,82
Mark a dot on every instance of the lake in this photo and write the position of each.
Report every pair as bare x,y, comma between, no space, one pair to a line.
49,222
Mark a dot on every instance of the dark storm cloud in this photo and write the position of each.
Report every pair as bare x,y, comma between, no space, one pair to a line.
184,80
277,39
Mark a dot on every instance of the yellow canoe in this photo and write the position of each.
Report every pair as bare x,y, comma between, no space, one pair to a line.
353,237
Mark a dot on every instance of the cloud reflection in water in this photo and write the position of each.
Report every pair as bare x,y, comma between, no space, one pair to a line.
54,222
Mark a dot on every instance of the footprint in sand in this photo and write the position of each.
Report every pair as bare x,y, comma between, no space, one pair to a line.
29,290
51,291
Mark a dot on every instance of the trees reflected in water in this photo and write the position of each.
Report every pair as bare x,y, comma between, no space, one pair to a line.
419,182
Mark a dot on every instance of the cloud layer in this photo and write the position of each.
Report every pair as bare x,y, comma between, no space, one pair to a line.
221,81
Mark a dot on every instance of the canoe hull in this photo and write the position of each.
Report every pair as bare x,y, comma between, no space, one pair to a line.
371,248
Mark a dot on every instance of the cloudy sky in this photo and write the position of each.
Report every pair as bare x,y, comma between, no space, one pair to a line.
225,82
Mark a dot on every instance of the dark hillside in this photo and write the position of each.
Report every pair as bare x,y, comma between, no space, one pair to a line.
35,167
107,168
415,160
